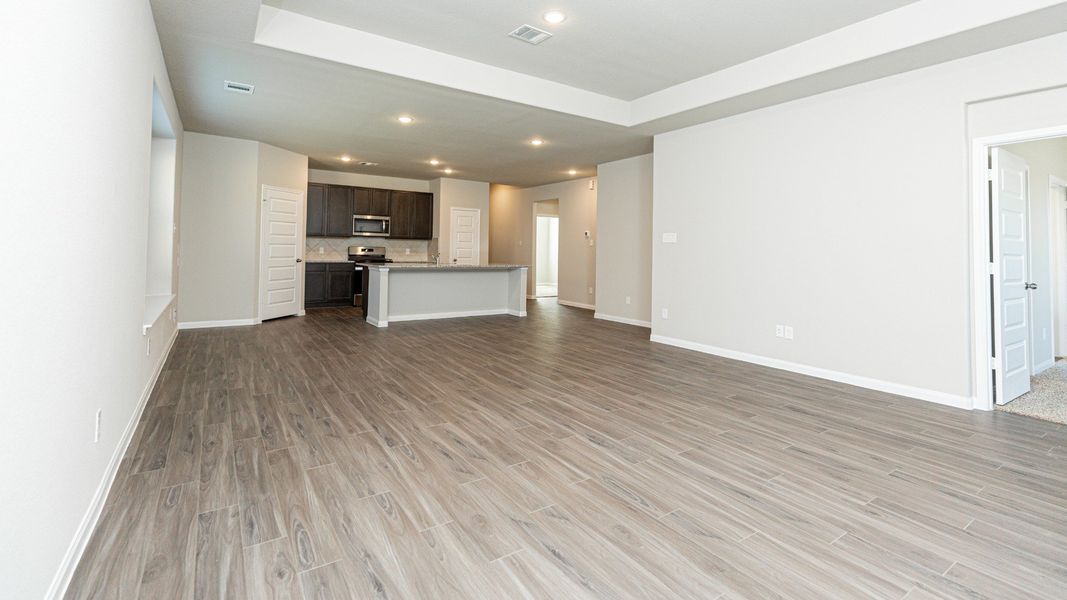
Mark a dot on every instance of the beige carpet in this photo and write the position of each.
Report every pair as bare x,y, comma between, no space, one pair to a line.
1047,398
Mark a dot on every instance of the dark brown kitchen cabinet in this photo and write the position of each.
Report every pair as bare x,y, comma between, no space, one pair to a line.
370,201
401,214
329,284
411,215
422,222
314,284
339,283
338,211
316,210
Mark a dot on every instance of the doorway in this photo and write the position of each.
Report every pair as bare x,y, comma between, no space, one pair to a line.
547,259
1024,261
544,274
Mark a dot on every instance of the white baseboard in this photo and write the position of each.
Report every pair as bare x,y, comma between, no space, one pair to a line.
576,304
207,324
88,523
1041,367
856,380
376,322
517,313
626,320
450,315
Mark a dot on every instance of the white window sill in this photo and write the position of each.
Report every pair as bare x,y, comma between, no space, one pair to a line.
154,307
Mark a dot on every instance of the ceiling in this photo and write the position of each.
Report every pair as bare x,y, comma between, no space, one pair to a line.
331,76
622,48
326,110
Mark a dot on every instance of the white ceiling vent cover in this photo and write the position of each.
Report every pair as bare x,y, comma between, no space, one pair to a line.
241,88
530,34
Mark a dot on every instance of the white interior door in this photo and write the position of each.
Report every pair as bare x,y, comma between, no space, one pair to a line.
281,238
466,238
1011,316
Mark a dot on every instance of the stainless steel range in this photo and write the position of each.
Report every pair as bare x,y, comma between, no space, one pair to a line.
364,254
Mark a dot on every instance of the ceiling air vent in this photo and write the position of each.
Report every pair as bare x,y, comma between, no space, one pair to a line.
530,34
241,88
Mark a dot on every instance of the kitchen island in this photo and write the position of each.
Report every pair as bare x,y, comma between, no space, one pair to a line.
415,291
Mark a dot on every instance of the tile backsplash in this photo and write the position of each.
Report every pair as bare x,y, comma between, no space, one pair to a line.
337,248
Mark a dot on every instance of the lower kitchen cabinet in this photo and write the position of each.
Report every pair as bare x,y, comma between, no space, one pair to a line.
329,284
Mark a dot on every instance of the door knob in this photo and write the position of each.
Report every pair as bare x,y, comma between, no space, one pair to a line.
1031,286
299,260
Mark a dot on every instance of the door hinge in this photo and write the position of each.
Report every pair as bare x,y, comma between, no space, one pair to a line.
992,268
989,174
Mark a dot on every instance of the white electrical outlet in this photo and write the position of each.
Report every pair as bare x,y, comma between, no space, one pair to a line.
322,250
788,332
96,427
590,290
664,313
627,299
670,238
779,331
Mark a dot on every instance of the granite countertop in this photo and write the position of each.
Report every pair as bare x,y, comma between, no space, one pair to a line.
429,266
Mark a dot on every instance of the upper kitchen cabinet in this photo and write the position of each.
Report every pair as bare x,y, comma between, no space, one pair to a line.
370,201
411,215
338,211
401,214
422,228
316,210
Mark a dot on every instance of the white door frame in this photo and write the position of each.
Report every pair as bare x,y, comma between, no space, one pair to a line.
301,234
981,306
1057,237
532,259
534,246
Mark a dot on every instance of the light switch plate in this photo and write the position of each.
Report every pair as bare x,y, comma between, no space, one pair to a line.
670,238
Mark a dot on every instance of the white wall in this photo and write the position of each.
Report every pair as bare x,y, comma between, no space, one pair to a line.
77,81
504,204
370,181
844,215
220,210
512,223
458,193
1045,158
160,244
624,252
223,178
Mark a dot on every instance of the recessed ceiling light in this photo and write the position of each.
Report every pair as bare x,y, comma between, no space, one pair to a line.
405,119
572,172
537,142
448,171
554,16
435,162
346,158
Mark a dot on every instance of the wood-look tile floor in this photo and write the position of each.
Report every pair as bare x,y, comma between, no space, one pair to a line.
559,457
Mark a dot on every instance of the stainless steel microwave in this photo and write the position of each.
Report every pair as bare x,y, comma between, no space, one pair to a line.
370,226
